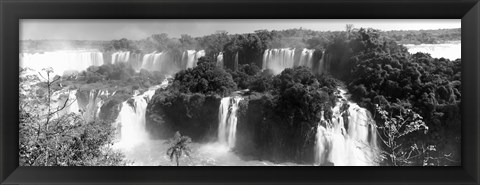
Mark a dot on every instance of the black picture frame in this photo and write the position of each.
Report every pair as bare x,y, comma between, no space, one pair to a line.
14,10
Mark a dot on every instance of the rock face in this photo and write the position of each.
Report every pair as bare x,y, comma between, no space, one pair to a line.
194,115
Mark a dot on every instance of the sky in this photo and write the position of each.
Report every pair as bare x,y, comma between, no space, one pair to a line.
96,29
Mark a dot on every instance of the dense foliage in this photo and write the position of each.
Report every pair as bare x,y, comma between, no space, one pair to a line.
206,78
378,71
50,136
279,123
190,103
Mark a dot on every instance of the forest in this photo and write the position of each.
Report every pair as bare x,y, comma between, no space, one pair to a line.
414,99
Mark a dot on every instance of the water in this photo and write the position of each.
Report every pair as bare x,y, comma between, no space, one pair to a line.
306,57
339,142
154,61
450,51
349,139
279,59
153,153
140,150
61,61
120,56
192,56
68,61
131,120
227,118
220,60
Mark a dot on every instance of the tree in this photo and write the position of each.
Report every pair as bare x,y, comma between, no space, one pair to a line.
349,29
122,44
187,41
213,44
179,145
205,78
51,135
393,131
159,41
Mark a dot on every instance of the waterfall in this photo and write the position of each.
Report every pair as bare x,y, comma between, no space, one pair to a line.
147,61
306,57
279,59
198,55
321,65
220,60
132,122
120,56
349,139
192,57
154,61
95,101
227,118
190,54
264,60
61,61
136,61
131,118
235,64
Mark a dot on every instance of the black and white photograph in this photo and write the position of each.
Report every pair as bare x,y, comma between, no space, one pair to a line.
240,92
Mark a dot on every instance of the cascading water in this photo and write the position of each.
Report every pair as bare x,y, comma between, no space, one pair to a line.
153,61
322,68
136,61
132,122
220,60
235,64
227,127
61,61
131,119
95,101
306,57
192,57
349,139
120,56
279,59
198,55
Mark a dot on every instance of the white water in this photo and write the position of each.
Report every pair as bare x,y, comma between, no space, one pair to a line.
322,65
120,56
279,59
94,103
355,145
192,56
450,51
220,60
306,57
61,61
227,120
131,120
154,61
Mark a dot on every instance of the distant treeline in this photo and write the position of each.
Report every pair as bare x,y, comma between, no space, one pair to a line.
52,45
296,38
425,36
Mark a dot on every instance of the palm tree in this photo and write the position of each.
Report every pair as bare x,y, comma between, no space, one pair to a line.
178,146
